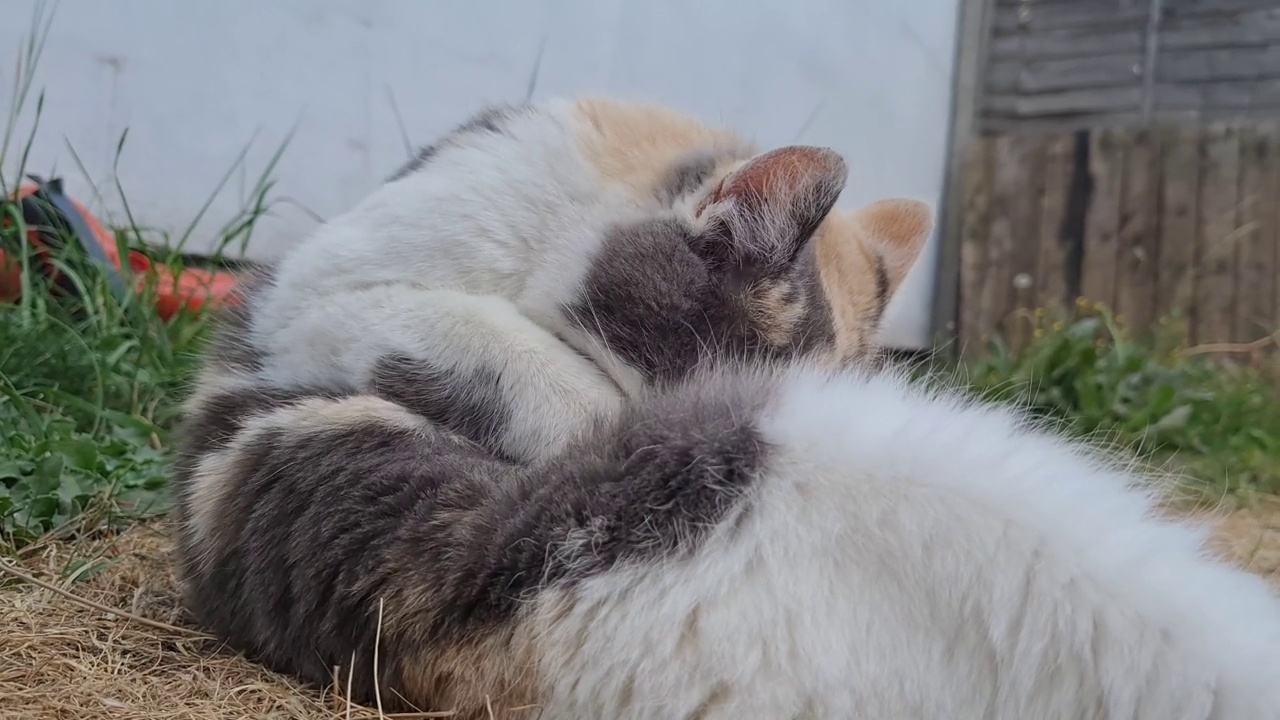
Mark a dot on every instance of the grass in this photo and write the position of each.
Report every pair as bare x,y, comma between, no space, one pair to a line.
1216,422
88,391
90,379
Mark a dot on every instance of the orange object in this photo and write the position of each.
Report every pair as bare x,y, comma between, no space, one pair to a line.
191,288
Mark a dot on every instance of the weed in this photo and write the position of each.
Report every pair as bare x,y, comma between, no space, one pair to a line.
1218,422
90,376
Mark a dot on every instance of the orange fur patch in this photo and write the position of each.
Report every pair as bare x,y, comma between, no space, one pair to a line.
493,674
492,677
847,247
775,316
897,229
847,276
635,144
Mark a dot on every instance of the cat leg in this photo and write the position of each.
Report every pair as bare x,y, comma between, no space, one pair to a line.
473,363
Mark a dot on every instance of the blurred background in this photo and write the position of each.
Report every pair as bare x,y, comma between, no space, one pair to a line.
1124,152
354,85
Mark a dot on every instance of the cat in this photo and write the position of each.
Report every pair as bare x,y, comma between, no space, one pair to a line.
758,540
475,248
754,542
665,294
752,531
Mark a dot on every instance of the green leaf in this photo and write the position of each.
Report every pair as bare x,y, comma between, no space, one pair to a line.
14,469
42,509
81,454
83,570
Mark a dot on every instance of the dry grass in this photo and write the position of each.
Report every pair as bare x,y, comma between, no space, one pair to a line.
60,657
1251,536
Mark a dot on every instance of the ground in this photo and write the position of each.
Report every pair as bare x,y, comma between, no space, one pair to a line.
1251,536
63,657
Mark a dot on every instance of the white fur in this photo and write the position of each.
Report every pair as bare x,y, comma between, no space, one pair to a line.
915,557
466,261
510,215
551,391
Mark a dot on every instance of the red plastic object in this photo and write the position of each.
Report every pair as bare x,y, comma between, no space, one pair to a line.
192,288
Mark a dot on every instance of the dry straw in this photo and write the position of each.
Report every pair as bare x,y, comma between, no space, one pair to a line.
93,630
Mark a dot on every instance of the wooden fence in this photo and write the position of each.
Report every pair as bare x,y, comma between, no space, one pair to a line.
1055,64
1146,221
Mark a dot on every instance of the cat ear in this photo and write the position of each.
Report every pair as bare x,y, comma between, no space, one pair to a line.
863,256
764,212
894,230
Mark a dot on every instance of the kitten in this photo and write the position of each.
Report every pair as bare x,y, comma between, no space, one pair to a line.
465,265
755,536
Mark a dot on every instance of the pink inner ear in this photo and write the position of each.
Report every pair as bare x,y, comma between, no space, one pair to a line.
776,177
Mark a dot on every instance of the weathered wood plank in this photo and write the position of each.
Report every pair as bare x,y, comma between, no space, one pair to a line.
1183,219
1230,95
1102,223
1179,189
1079,14
1136,273
1237,115
974,34
1259,27
1069,74
1213,316
1061,44
995,125
1071,102
1055,236
1256,269
1009,180
1218,64
1024,221
975,238
1175,10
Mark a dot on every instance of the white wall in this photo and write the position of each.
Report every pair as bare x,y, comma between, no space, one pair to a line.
195,80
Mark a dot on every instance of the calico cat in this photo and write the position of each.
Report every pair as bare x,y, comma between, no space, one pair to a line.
759,539
664,295
476,249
